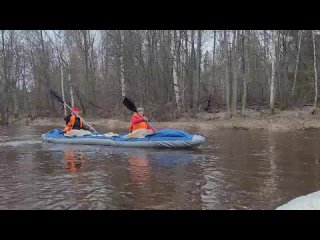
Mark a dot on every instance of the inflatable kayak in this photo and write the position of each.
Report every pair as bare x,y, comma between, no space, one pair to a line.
307,202
165,138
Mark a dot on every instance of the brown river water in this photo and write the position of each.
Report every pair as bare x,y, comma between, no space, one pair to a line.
233,169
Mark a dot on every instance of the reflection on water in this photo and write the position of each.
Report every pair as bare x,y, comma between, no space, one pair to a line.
235,169
73,160
139,168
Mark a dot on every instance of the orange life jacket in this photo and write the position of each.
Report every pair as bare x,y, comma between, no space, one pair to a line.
74,123
140,125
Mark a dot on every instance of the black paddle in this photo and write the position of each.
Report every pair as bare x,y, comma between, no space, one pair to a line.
61,100
132,107
129,104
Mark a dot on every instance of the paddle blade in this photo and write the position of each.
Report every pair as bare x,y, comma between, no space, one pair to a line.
129,104
56,96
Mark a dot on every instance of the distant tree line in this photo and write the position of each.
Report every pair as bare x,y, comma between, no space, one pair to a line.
171,73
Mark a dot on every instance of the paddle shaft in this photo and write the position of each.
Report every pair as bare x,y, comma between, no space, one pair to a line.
146,121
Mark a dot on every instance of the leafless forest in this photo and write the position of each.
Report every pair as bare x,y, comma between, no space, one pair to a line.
171,73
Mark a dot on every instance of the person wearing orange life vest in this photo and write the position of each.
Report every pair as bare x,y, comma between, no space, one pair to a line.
74,122
139,121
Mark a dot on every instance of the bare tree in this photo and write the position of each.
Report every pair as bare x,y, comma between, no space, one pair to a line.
62,91
175,71
235,70
297,63
245,66
227,81
214,57
192,69
123,84
5,104
315,72
71,91
198,66
273,70
166,70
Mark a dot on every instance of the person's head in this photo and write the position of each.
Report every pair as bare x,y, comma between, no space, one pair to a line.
140,110
76,110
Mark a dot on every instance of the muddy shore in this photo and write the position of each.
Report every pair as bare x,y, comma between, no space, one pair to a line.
281,120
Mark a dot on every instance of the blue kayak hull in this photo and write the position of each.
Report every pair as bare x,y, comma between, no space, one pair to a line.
167,138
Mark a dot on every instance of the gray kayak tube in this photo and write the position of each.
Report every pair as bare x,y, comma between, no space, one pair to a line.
307,202
167,138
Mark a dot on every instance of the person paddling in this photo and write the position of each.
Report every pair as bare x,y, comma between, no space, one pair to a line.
139,121
74,122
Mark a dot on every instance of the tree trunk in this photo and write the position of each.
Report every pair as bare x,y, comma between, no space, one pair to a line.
235,71
16,104
123,84
199,44
62,91
187,65
273,70
86,53
45,70
297,63
13,78
25,90
315,72
175,72
71,91
227,86
191,69
5,109
213,60
245,55
181,72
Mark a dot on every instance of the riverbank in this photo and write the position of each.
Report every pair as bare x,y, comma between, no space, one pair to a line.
299,119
